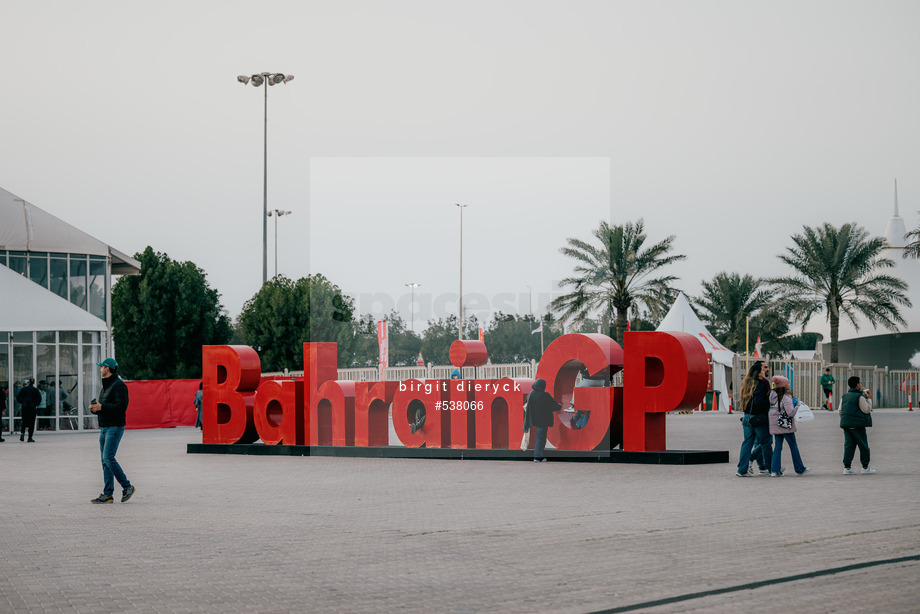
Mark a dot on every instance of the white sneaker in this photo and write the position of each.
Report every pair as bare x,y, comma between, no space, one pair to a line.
848,472
776,475
868,470
804,471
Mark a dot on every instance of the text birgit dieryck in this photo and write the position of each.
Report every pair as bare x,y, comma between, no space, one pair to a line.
462,386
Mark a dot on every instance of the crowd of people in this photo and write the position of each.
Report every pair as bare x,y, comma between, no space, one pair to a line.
769,423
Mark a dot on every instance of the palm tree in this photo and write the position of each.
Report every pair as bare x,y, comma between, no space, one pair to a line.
837,271
912,249
728,300
614,274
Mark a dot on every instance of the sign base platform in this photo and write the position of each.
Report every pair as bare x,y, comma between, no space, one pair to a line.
663,457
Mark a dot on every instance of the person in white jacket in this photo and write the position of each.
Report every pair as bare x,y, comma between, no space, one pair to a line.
781,397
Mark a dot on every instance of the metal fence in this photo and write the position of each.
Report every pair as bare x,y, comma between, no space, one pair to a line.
392,374
889,387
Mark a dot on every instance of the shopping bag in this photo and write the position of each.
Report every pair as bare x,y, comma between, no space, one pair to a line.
525,440
804,413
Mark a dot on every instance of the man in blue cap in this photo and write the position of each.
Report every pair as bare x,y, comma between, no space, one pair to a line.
111,407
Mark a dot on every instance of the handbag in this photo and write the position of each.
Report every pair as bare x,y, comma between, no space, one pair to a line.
783,421
525,440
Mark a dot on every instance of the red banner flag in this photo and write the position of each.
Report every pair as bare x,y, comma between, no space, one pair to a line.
383,342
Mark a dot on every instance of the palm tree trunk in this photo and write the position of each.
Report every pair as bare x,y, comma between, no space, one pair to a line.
621,325
835,333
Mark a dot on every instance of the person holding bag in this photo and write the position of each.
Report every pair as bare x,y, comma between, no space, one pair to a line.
541,407
755,400
782,427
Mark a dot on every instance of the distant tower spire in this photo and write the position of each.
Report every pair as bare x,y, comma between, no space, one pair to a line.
895,231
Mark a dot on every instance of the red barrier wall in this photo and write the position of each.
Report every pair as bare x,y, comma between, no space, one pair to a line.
156,404
161,403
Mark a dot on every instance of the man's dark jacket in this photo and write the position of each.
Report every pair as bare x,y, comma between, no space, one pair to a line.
114,401
540,406
29,397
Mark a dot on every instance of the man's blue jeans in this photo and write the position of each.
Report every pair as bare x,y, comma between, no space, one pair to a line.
109,438
540,443
761,436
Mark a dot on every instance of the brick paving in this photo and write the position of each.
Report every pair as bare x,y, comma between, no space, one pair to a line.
229,533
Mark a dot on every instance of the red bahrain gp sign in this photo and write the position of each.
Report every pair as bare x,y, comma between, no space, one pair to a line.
662,372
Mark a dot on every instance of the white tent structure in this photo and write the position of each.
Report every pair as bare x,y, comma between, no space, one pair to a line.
682,318
55,312
25,227
26,306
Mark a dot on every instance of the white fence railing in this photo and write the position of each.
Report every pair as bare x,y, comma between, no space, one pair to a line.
889,387
372,374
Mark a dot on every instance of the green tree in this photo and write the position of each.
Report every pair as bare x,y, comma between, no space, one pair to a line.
788,343
365,351
284,314
510,338
441,333
437,338
728,300
614,274
162,317
837,271
404,344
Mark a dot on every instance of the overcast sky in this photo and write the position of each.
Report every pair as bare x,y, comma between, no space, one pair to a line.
730,125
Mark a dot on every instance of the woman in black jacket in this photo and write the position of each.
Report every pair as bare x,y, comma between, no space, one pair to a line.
540,409
755,401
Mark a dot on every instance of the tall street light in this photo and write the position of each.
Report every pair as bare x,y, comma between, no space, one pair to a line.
257,80
413,285
460,326
278,213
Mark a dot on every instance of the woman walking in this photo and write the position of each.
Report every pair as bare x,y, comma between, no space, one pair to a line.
755,401
783,429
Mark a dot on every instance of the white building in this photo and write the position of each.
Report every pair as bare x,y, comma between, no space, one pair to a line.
55,312
879,346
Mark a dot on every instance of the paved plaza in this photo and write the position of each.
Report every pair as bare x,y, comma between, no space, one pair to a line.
233,533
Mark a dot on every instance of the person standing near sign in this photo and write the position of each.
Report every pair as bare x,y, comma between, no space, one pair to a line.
540,409
827,385
199,402
855,418
755,400
29,399
781,399
111,407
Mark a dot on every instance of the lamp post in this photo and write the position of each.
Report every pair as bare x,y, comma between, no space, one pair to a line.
413,285
460,309
278,213
257,80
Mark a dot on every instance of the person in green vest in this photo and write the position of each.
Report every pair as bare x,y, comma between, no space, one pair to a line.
855,417
827,385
